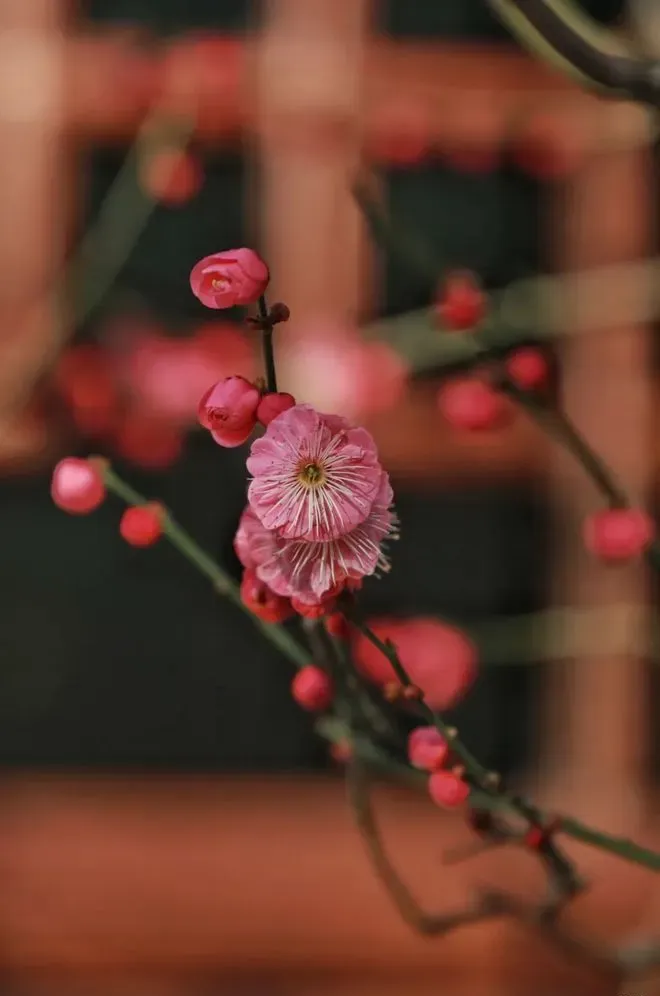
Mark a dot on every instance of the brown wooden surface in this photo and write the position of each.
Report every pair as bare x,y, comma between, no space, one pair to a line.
469,93
109,875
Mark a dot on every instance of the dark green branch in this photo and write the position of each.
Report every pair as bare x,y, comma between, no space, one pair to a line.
555,30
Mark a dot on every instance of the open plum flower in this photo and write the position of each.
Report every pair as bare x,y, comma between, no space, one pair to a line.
314,477
319,509
312,572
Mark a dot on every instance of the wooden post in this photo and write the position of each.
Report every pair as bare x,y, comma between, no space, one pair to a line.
308,112
596,733
32,205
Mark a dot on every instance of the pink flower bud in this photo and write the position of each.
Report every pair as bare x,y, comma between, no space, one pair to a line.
462,304
279,312
447,789
618,534
272,405
229,410
76,486
312,689
148,441
142,525
471,404
261,601
528,368
427,748
227,279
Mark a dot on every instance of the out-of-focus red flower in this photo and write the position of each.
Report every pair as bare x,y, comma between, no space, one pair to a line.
528,368
461,304
77,486
439,659
312,689
427,748
148,441
85,380
142,525
338,372
172,176
448,789
166,377
473,405
203,71
618,534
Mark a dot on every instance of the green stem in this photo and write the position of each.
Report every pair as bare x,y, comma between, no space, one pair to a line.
562,429
206,565
481,776
493,798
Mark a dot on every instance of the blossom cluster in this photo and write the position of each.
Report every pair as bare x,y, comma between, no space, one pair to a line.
319,509
319,501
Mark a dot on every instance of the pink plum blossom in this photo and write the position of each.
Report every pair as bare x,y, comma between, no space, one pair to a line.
314,477
313,572
315,568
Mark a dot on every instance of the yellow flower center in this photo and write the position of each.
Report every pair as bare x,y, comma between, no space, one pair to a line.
311,475
219,283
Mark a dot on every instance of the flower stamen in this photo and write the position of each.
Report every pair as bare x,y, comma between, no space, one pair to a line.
312,475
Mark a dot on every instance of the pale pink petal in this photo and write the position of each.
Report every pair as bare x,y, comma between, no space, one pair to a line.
258,548
287,496
312,569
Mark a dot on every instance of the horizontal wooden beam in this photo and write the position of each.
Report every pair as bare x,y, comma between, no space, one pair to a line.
200,874
457,95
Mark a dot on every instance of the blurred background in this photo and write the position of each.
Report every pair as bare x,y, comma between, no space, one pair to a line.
170,822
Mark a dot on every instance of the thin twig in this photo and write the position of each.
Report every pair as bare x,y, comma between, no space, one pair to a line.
410,910
267,344
487,798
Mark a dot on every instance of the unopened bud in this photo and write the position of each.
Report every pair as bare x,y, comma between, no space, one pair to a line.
279,312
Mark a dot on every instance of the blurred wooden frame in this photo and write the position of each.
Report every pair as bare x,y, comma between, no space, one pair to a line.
315,100
267,878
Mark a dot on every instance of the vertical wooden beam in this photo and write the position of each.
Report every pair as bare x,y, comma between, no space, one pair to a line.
32,205
596,733
309,97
